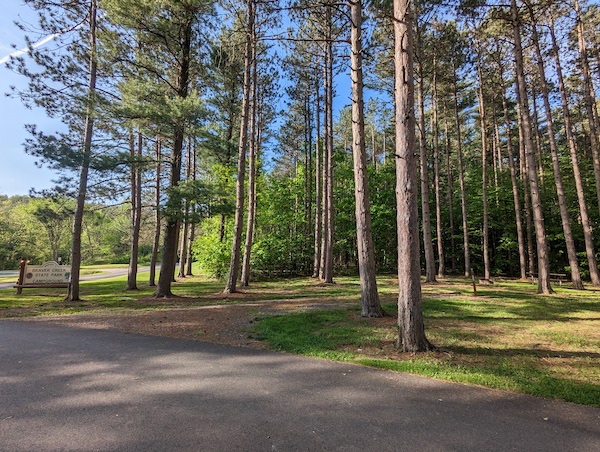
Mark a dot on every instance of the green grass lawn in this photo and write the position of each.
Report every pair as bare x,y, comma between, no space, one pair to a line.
507,337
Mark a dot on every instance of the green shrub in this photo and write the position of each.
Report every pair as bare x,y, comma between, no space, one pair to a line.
212,255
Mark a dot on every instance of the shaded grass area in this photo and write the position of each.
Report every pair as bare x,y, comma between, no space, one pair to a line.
507,337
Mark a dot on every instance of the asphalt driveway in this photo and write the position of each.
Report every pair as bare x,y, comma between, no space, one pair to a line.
82,390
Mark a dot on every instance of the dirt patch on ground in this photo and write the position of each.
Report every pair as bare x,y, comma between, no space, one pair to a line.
229,324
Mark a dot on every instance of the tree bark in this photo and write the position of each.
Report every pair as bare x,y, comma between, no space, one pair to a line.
526,194
450,191
588,96
136,211
327,252
183,242
73,292
560,191
157,222
324,178
461,177
184,245
330,213
425,211
371,306
231,285
540,230
245,280
189,255
496,151
411,330
583,209
514,182
169,254
318,184
484,144
537,140
436,168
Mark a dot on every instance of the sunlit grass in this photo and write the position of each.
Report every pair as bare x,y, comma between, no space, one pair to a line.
506,337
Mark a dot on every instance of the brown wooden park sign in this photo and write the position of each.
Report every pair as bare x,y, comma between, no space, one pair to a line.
49,274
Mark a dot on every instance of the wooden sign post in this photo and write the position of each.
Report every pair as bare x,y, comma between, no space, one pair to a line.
50,274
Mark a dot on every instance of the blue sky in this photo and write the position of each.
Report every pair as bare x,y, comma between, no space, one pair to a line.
18,172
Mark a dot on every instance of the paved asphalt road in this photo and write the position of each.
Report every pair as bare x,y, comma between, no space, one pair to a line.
81,390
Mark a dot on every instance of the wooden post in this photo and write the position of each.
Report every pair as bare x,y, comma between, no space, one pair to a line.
21,275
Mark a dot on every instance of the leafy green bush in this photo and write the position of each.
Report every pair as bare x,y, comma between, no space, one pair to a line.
212,254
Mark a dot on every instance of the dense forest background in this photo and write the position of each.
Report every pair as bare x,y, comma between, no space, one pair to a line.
191,98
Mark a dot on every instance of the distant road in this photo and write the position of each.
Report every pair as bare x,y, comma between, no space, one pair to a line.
105,273
4,273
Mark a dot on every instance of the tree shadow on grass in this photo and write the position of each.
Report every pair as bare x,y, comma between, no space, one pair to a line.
534,352
523,307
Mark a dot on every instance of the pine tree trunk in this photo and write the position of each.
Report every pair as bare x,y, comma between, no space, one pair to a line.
324,180
450,191
73,292
183,242
496,151
411,330
221,228
157,223
588,95
384,150
537,140
184,245
189,259
540,230
436,168
308,196
526,195
318,185
328,230
461,177
484,144
231,285
425,211
245,279
136,211
374,149
562,201
583,209
514,182
169,254
366,255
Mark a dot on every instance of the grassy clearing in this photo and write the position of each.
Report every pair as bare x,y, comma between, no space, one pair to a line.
507,337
